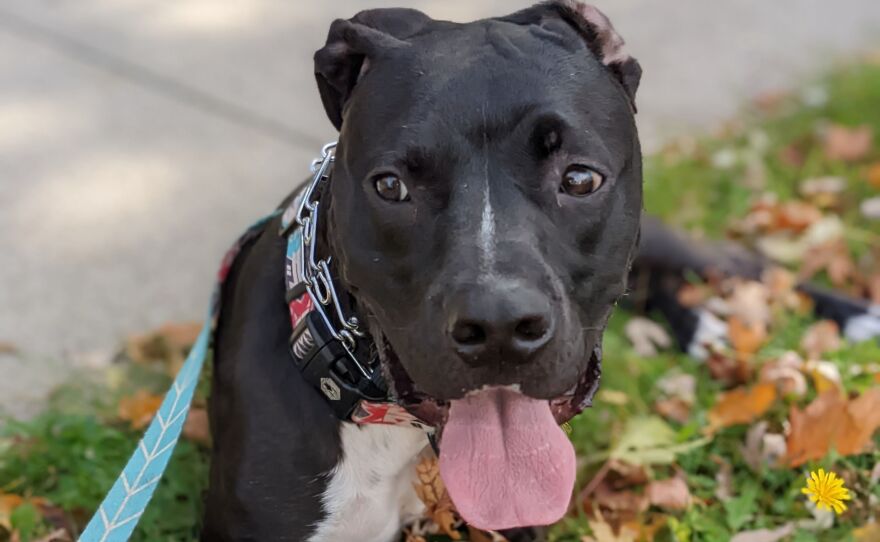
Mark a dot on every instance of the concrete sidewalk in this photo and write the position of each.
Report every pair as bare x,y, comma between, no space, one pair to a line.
138,138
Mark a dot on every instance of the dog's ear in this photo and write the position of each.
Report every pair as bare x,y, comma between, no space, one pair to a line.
353,44
596,30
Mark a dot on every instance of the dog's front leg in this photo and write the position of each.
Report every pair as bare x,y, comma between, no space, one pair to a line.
275,438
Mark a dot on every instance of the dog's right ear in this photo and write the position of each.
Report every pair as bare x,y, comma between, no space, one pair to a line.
352,45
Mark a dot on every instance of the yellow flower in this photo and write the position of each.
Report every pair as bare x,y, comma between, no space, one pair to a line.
827,491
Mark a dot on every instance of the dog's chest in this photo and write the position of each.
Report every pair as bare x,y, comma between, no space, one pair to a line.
370,494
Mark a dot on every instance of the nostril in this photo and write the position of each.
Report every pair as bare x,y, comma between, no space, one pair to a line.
468,333
532,328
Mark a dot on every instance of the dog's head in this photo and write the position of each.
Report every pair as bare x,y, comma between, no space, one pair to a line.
485,201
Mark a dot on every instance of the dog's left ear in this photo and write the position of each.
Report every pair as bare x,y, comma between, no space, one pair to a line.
353,44
596,30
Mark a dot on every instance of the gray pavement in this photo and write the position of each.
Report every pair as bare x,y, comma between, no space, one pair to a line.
138,138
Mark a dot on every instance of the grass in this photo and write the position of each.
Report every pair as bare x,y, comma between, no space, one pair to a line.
71,455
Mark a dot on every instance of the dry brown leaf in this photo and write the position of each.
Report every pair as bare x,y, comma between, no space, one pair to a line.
786,373
723,478
168,344
746,339
823,191
58,535
764,535
795,216
749,302
821,337
730,371
604,532
832,420
646,336
8,503
196,427
834,258
432,492
741,406
847,144
138,409
870,532
477,535
670,494
674,409
874,175
762,448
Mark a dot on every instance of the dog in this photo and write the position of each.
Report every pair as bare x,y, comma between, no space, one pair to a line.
481,220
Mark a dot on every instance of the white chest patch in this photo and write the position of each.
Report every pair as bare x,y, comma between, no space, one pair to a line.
371,495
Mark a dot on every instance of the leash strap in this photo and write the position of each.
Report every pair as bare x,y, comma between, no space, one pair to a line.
126,501
128,498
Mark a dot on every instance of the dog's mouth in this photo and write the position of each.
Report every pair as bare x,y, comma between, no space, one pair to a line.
503,457
434,412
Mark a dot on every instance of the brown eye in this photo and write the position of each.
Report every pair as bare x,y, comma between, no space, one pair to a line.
581,181
391,188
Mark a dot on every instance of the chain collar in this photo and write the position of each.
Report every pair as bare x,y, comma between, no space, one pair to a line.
330,348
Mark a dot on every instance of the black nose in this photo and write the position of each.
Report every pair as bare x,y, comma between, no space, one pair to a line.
498,325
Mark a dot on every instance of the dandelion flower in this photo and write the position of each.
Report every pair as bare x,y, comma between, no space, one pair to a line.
827,491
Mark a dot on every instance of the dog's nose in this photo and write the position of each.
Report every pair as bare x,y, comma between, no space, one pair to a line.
492,325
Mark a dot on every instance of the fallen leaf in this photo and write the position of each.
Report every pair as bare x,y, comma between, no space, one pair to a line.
679,386
432,492
874,175
764,535
870,208
821,337
826,375
870,532
603,532
834,258
723,478
670,494
612,397
746,338
763,449
741,406
832,420
748,302
786,373
729,370
646,336
648,440
847,144
58,535
168,344
138,409
823,191
8,348
196,427
8,503
674,409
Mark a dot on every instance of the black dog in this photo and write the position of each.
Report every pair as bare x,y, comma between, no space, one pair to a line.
482,217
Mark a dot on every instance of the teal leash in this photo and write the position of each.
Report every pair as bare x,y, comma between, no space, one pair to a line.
128,498
126,501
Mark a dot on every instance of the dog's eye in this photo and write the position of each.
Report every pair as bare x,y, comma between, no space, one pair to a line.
581,181
391,188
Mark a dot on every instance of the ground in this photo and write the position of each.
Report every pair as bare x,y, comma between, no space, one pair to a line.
676,448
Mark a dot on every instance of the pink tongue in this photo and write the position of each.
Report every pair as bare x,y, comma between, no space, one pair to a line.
505,462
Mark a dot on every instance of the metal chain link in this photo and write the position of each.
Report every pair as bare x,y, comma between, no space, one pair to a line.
319,281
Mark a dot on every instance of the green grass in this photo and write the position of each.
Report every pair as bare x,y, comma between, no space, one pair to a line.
72,454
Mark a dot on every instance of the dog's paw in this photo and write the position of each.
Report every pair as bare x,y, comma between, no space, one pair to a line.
863,327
